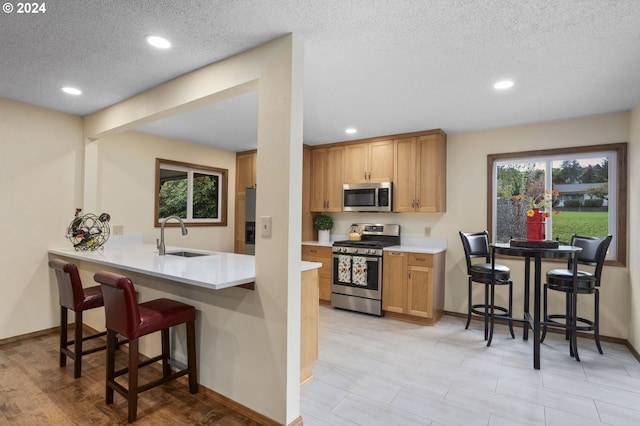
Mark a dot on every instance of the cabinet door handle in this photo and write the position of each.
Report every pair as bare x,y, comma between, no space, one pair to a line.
420,259
409,273
418,203
413,204
313,251
395,253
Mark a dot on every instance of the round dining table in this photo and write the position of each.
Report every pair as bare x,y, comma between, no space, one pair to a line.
535,251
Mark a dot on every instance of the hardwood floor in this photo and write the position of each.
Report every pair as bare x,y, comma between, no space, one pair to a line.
34,390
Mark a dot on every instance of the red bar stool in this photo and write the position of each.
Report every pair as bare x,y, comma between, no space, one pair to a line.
73,296
128,318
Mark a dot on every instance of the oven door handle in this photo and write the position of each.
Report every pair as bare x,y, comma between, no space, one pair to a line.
366,257
369,258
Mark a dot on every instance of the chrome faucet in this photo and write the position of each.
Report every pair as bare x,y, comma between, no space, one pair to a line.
160,242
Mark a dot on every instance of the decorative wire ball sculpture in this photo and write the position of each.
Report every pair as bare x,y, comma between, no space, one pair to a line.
89,232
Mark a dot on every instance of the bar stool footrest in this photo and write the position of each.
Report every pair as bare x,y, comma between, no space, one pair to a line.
499,311
582,324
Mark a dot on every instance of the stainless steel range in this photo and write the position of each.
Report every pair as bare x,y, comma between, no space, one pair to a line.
357,268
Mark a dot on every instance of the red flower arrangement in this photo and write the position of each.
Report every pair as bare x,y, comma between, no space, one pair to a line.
543,203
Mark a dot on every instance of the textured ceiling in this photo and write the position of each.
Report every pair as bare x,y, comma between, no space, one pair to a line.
383,67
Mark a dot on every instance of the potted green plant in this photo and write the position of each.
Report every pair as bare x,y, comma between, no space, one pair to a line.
323,224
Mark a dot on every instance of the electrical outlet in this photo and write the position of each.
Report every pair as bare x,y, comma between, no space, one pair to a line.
427,231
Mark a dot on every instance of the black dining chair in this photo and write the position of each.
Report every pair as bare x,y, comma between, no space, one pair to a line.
476,246
594,251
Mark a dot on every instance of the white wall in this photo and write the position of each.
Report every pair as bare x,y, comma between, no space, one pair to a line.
41,182
634,227
467,206
40,187
127,173
265,323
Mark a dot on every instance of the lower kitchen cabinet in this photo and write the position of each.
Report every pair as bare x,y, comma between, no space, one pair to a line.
413,286
320,254
309,312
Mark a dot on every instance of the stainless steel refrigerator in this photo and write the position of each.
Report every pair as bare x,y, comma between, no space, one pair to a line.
250,222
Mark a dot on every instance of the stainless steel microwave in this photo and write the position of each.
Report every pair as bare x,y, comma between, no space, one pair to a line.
367,197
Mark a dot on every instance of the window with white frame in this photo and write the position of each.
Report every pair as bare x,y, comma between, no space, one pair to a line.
197,194
582,190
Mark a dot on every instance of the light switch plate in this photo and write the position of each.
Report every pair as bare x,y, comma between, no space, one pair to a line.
265,226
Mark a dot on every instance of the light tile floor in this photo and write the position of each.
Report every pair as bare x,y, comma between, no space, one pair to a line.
378,371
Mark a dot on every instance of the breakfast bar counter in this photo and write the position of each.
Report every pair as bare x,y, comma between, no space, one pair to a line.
231,324
208,269
211,270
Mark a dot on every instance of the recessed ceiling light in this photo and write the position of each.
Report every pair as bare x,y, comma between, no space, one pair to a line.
505,84
351,131
159,42
72,90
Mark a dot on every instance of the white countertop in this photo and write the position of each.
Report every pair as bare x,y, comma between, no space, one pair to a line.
318,243
216,271
416,249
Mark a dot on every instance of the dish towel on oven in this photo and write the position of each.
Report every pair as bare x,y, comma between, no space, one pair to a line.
344,269
359,270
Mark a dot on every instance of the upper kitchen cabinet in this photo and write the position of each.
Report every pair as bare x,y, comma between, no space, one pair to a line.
368,162
326,179
245,178
420,173
245,171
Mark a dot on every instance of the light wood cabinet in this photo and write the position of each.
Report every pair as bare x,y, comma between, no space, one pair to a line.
309,313
245,171
368,162
245,178
413,286
322,255
326,179
420,285
394,279
420,174
308,233
239,227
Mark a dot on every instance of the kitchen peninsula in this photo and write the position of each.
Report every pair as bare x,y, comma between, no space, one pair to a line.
209,281
213,270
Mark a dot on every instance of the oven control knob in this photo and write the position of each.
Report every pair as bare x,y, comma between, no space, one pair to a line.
371,251
356,251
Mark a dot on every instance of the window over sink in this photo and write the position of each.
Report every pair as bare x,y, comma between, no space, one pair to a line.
195,193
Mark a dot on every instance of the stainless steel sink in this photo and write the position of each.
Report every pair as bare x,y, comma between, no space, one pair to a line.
187,253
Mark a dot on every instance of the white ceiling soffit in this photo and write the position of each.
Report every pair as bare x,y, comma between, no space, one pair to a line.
382,66
231,124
